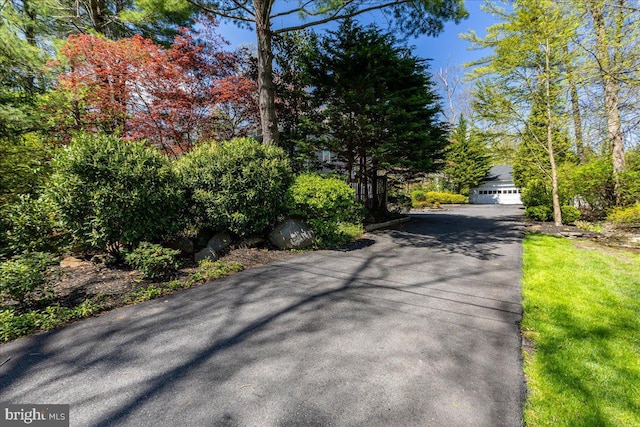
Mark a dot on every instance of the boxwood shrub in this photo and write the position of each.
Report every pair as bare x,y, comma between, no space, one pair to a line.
114,193
236,186
329,205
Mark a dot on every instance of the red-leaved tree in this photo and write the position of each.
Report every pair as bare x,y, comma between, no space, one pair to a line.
172,97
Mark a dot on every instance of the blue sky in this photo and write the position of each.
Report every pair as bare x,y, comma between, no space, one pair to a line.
445,49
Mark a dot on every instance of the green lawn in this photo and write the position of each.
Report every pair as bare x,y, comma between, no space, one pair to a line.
582,312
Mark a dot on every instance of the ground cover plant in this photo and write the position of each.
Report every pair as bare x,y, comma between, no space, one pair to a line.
17,321
582,315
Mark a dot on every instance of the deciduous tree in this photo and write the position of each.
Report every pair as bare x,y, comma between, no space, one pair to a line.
414,17
527,71
137,89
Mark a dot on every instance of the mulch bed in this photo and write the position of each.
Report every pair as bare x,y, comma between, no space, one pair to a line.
86,279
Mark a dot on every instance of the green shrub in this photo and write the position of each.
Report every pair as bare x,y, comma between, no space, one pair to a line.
153,260
313,196
329,205
569,214
592,182
539,213
630,187
237,186
446,198
26,278
418,196
113,193
33,225
24,166
629,215
14,325
536,194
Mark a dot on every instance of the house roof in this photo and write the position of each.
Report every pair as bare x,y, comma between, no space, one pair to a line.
502,173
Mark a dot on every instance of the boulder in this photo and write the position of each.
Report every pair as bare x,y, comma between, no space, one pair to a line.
292,234
181,243
219,242
71,262
207,254
215,246
252,242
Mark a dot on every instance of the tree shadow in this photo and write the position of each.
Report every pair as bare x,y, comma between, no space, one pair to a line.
479,237
332,337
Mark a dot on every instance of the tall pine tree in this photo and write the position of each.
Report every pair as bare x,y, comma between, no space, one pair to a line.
379,105
467,158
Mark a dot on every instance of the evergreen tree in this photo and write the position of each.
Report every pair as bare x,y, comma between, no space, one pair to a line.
271,18
298,119
378,104
467,158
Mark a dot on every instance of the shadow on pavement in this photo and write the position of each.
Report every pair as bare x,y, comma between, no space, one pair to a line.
357,337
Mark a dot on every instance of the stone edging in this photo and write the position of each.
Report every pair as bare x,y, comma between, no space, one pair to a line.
372,227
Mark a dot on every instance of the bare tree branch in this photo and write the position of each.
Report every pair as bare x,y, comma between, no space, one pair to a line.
337,16
223,13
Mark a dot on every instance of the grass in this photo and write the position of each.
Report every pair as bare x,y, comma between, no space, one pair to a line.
582,314
14,325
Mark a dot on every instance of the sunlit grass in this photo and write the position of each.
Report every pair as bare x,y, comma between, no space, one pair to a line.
582,312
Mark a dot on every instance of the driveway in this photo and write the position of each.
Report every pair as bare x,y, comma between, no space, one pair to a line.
414,326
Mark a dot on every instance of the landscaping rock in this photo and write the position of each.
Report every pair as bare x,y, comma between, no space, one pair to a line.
215,248
292,234
103,259
181,243
219,242
71,262
207,254
252,242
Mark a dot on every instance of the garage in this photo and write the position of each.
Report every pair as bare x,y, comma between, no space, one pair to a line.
497,189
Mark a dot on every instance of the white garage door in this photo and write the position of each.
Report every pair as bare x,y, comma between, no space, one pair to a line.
504,196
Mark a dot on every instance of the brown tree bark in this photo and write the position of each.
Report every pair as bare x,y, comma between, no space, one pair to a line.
611,90
557,212
575,108
266,96
97,15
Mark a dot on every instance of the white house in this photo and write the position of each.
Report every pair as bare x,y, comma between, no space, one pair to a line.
496,189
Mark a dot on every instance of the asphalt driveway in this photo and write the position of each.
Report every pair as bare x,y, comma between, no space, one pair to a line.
415,326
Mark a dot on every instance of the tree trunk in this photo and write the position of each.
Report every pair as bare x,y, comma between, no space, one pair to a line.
557,213
611,93
98,16
575,109
375,200
30,35
268,120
